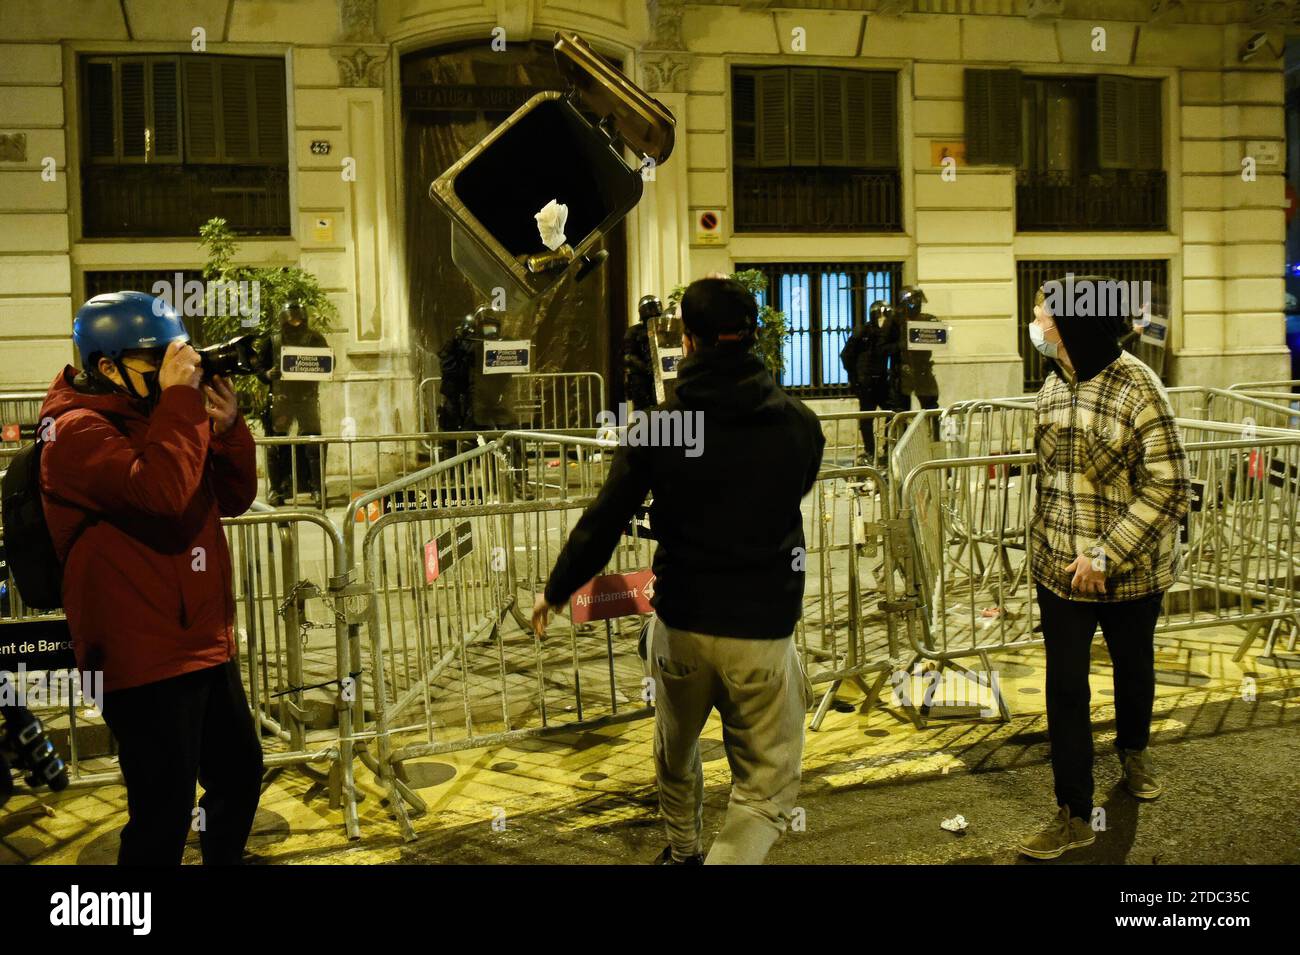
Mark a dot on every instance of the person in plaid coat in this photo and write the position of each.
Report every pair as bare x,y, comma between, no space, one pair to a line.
1113,486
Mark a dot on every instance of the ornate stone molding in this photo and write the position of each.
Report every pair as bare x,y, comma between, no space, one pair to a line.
664,71
357,21
1274,12
360,67
666,21
1203,12
664,61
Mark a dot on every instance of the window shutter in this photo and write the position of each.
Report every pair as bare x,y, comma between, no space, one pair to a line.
1117,121
1148,153
805,138
164,96
857,119
882,124
831,86
101,115
131,82
773,118
744,119
236,111
992,108
201,113
272,137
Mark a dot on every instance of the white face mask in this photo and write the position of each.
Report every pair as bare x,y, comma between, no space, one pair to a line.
1046,348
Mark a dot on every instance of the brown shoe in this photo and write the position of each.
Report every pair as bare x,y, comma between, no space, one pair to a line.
1065,833
1139,775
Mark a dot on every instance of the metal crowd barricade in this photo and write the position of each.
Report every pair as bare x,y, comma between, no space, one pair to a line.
351,465
274,557
542,401
290,588
969,592
20,413
844,444
842,634
548,401
1241,559
354,466
449,670
1285,385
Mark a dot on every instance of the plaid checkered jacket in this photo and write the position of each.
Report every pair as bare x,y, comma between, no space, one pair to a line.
1113,482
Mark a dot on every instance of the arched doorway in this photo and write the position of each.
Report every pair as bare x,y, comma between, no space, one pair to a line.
452,96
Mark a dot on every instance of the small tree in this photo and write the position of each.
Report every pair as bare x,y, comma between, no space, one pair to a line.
769,343
276,286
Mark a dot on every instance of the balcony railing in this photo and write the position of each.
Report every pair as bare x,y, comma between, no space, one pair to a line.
817,200
1119,200
173,200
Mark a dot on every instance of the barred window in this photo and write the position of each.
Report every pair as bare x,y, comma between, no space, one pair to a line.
822,302
1030,276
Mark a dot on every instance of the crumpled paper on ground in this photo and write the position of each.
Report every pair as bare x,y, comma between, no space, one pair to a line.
550,224
956,824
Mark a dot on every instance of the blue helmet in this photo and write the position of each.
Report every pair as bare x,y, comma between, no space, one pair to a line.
115,322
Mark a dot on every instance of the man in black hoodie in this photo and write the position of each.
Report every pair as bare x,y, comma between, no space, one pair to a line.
1113,484
729,575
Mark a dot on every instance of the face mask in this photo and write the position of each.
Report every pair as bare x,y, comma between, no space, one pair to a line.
1046,348
153,393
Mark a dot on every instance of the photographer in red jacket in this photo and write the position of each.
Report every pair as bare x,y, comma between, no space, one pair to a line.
145,459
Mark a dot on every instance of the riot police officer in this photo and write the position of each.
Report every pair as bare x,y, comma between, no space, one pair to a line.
916,367
456,392
638,366
294,403
866,361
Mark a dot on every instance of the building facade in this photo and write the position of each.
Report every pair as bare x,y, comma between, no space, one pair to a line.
845,147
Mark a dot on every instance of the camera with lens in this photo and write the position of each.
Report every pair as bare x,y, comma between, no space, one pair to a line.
242,355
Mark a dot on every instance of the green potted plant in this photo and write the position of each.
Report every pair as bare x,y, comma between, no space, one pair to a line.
275,287
770,341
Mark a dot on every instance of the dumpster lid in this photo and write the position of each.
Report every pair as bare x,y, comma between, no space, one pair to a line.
646,125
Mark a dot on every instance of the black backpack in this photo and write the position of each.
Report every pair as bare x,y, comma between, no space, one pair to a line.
33,564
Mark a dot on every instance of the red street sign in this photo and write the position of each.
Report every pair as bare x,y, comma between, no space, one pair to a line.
445,549
613,595
374,510
439,555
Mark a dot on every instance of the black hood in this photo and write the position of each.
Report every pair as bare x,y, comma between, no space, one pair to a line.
1092,343
728,382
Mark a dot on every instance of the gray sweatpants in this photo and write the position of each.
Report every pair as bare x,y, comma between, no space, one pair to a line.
759,691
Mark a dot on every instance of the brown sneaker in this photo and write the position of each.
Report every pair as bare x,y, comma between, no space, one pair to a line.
1139,775
1065,833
